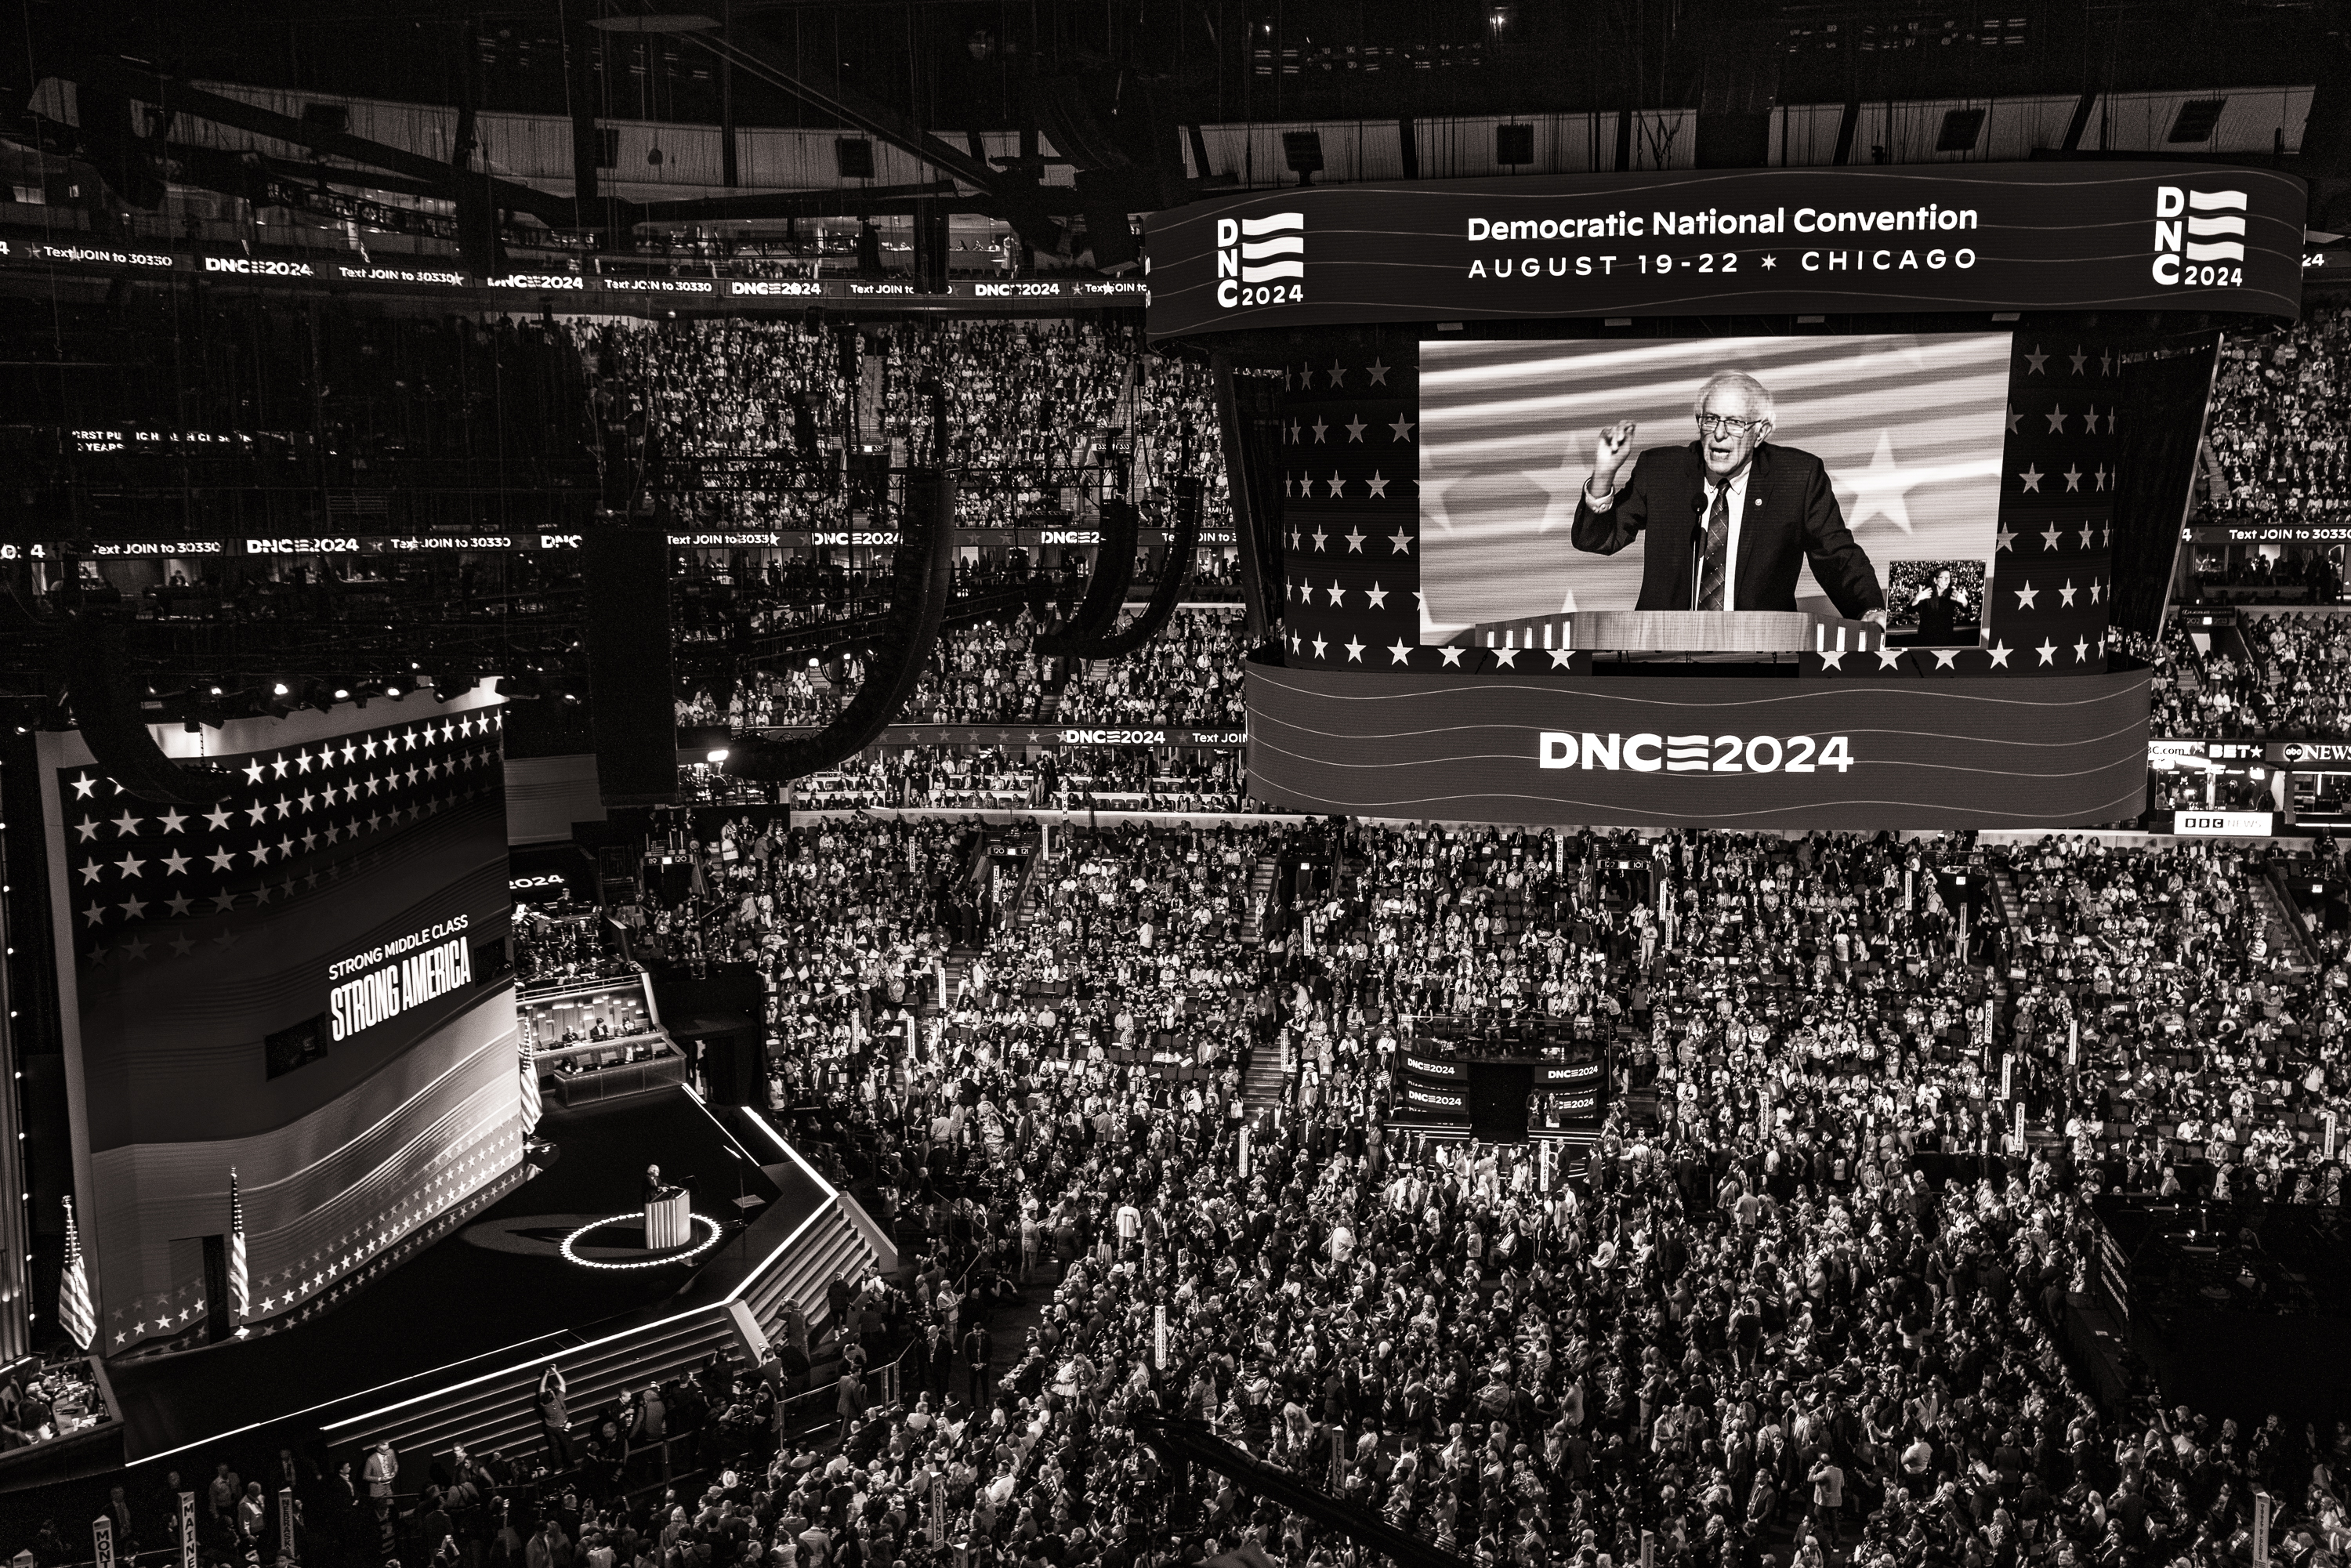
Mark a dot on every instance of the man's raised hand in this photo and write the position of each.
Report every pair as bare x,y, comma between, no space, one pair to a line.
1615,442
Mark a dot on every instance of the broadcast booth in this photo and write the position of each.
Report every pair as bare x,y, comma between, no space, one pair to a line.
1721,498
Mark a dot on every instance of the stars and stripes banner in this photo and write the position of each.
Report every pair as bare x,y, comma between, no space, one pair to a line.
533,1106
1349,513
292,982
74,1308
240,1284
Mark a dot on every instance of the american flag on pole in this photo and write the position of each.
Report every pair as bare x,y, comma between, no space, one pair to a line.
240,1292
74,1309
531,1107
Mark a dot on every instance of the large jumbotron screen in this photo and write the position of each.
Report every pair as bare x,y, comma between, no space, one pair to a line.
307,982
1879,470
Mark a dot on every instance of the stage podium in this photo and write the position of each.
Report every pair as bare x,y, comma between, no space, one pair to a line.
1681,632
669,1219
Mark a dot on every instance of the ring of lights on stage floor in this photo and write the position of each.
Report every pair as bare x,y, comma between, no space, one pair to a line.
569,1246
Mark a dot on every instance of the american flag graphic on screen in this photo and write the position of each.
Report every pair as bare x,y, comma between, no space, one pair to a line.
155,883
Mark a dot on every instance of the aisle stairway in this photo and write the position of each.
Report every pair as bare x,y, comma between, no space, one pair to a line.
1260,897
1263,1085
2289,944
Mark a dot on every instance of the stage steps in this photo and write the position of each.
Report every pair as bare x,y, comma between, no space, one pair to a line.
497,1410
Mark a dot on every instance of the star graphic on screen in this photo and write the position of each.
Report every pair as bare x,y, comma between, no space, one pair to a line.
1338,375
278,767
257,811
1770,261
253,772
2082,652
370,747
1999,653
1321,428
1377,595
135,908
1378,373
83,786
174,864
1292,433
181,946
2088,534
171,820
2034,360
1320,646
1356,427
1889,658
2048,651
90,872
1561,485
2065,594
2006,538
2050,537
2012,417
1505,657
1880,490
1321,538
1354,538
1833,659
2093,590
1377,486
2079,358
1402,427
2073,477
350,751
130,865
222,860
88,828
2056,418
1947,658
1338,594
2032,475
2026,595
178,903
1400,541
127,824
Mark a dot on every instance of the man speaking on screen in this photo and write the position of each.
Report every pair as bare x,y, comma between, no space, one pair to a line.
1729,514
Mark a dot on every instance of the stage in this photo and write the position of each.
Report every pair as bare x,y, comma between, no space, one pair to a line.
496,1291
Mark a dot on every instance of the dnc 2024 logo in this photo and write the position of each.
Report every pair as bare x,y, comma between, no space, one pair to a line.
1261,261
2200,237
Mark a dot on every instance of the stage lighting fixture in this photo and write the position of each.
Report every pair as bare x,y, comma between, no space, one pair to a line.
719,753
391,689
342,694
279,689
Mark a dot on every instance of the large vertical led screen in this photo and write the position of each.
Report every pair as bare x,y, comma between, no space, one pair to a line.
307,982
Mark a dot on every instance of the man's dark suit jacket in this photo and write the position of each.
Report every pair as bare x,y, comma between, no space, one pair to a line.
1791,515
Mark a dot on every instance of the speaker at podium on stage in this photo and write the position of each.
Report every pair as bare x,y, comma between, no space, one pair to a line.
669,1221
1721,495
